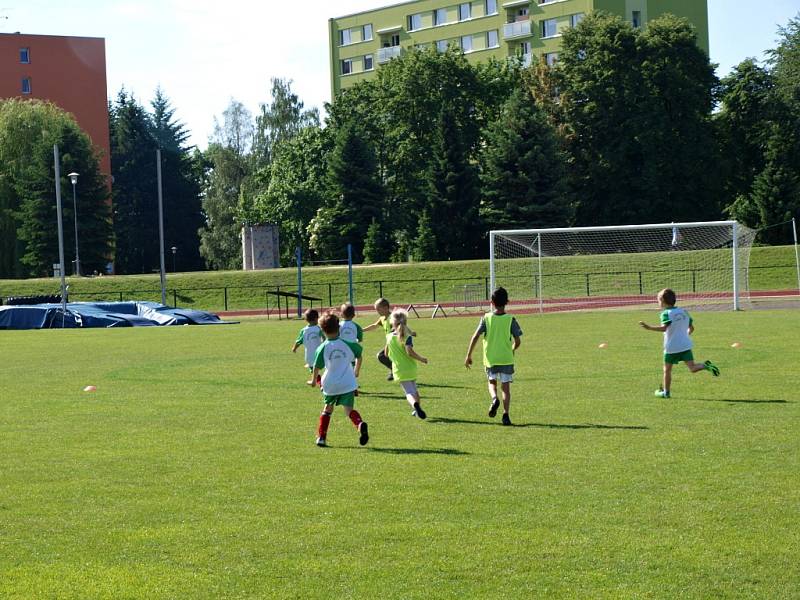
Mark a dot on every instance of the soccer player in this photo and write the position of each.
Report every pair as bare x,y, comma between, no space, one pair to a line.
383,309
310,337
338,382
501,338
400,350
349,330
677,326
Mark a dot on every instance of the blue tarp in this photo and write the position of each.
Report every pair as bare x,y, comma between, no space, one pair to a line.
101,314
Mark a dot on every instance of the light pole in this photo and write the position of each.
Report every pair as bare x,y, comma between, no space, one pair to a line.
174,252
73,177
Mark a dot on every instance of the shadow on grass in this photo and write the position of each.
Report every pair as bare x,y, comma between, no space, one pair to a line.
546,425
398,396
436,385
441,451
745,401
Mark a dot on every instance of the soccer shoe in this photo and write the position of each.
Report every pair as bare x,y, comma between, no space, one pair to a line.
418,412
712,367
493,408
390,377
321,442
506,419
362,429
659,393
355,392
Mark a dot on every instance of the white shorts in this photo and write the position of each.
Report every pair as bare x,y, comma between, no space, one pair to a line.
502,377
409,387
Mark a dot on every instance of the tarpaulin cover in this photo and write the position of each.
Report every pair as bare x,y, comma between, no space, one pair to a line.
101,314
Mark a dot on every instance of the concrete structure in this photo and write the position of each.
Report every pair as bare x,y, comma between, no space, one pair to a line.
360,43
260,247
70,72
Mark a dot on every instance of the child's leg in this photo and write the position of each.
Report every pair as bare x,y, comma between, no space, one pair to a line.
493,388
324,421
695,367
358,423
506,387
667,382
412,397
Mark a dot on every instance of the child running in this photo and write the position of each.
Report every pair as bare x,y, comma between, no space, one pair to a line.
349,330
677,326
501,334
338,383
310,337
400,350
382,307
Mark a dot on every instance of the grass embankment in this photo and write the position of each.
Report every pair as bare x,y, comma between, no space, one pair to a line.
771,268
192,472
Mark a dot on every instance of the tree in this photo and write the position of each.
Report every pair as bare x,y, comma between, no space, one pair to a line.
424,244
228,168
523,175
28,131
376,245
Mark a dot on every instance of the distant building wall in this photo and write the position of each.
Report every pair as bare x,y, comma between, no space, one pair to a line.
260,247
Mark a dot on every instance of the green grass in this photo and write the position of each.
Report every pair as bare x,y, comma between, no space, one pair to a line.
192,472
771,268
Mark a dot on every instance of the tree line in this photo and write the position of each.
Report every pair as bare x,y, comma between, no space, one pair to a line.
630,126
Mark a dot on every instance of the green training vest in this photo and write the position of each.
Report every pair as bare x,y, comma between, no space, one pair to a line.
497,346
404,368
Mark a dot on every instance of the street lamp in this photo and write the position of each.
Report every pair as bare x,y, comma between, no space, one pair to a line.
73,177
174,252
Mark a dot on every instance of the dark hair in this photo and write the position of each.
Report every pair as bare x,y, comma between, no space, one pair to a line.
668,296
329,323
500,297
311,315
348,310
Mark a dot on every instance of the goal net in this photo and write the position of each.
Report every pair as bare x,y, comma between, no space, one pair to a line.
580,268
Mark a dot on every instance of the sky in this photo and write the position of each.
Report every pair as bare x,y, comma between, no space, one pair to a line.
202,53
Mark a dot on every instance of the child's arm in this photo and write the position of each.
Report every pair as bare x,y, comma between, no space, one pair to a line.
691,328
517,342
295,347
314,377
653,327
472,342
372,326
413,354
357,368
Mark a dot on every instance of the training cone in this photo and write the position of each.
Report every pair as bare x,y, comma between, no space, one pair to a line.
603,345
736,345
90,388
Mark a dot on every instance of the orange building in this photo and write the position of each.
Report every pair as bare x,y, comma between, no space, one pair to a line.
70,72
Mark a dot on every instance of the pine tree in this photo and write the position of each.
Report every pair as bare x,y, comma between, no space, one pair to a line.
424,247
376,244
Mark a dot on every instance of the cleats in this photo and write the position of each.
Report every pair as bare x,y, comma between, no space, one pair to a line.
493,408
321,442
506,419
418,412
390,377
659,393
712,367
362,429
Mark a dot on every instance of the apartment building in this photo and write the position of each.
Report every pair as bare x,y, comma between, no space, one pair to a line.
70,72
360,43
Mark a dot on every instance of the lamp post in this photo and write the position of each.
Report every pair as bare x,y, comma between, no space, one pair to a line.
174,252
73,177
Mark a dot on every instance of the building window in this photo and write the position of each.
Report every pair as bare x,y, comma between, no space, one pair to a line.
394,40
440,16
525,47
347,66
492,39
441,45
366,33
549,28
368,64
551,58
575,19
26,85
415,22
466,43
522,14
345,38
464,11
546,1
25,55
491,7
637,18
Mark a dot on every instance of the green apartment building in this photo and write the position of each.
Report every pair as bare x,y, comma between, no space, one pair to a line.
360,43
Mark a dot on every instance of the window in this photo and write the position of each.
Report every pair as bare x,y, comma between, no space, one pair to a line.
441,45
551,58
415,22
491,7
466,43
464,11
26,85
525,47
394,40
546,1
25,55
522,14
366,33
347,66
549,28
575,19
636,17
440,16
368,64
492,39
344,37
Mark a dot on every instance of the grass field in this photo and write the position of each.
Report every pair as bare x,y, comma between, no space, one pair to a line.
192,472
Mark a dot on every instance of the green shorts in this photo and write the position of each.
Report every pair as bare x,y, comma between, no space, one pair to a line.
678,357
347,399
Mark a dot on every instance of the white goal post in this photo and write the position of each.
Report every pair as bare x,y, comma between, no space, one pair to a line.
579,268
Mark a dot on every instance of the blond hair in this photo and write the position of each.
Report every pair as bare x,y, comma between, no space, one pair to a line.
399,320
381,302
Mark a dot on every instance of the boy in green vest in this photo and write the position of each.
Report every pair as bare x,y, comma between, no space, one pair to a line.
501,334
384,309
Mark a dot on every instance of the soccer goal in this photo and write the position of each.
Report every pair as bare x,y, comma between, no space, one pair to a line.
578,268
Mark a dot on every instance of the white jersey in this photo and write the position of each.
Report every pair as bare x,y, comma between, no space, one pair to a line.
311,337
676,337
336,357
350,331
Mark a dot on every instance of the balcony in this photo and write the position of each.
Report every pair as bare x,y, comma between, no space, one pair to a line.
387,54
515,30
